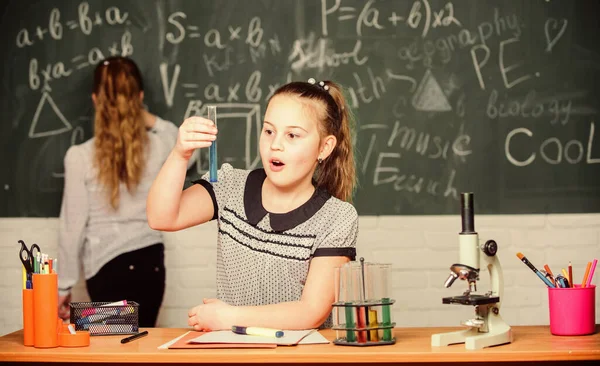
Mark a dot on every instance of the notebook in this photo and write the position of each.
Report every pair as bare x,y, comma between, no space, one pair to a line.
183,341
290,337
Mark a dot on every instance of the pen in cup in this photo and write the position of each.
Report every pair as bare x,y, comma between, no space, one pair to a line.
562,282
586,274
566,276
212,150
549,274
591,274
535,270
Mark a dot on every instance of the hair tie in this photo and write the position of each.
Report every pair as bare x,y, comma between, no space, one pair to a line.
321,84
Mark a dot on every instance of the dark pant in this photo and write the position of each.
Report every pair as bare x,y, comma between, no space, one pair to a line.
133,276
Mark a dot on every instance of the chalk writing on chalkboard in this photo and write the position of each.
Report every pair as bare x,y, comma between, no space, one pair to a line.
492,97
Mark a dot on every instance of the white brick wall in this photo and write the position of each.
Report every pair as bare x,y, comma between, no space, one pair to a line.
421,249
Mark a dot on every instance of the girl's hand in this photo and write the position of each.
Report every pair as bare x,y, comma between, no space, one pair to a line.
194,133
213,314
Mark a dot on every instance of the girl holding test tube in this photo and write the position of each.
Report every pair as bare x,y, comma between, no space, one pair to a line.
282,229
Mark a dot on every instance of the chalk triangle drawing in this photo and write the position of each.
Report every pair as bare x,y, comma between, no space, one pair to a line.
60,128
429,96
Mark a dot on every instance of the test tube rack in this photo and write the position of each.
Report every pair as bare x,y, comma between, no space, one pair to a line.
369,329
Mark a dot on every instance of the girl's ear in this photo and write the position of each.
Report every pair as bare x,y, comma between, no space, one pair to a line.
94,99
327,147
142,96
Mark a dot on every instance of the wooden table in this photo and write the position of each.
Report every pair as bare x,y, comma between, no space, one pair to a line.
531,343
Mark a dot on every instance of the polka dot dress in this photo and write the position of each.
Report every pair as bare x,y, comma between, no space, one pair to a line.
263,258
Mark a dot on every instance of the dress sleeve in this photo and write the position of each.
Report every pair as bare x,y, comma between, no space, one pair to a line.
73,219
220,189
340,238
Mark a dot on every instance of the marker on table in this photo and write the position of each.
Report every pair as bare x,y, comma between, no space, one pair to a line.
538,273
134,337
264,332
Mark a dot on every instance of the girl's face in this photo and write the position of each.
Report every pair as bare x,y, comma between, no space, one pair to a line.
289,142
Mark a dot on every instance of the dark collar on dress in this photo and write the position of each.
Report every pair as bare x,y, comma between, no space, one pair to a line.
255,211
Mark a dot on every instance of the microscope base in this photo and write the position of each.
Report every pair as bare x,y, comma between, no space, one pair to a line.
473,339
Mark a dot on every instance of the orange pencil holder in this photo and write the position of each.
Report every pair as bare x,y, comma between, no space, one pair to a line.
66,339
45,310
42,328
28,317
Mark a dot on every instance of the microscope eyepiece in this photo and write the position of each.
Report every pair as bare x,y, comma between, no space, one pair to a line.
467,213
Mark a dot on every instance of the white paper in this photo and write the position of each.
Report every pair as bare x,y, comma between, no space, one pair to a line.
314,338
169,343
290,337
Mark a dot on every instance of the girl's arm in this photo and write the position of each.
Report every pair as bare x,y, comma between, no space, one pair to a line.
167,207
309,312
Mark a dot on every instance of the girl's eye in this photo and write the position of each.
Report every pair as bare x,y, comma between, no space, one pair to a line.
268,132
292,136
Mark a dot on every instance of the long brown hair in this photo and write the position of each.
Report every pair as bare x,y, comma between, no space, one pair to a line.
119,131
337,173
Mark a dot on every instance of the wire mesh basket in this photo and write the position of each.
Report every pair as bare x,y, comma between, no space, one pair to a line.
103,318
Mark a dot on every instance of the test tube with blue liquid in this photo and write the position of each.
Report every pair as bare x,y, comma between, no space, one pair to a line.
212,150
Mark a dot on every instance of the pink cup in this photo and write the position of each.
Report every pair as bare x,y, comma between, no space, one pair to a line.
572,310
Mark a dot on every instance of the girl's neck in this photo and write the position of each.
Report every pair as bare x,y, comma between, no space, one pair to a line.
278,200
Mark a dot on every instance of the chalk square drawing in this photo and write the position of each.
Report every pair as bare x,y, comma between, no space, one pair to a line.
238,123
429,96
61,127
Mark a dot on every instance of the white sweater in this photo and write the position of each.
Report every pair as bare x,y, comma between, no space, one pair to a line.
90,229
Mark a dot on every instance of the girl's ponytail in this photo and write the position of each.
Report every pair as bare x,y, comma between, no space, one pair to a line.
337,173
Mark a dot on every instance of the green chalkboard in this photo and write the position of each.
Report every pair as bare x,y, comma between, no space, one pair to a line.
496,97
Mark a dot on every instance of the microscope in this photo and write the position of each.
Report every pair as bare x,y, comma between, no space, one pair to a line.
487,328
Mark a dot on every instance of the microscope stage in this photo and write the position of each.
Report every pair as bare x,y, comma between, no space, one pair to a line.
471,300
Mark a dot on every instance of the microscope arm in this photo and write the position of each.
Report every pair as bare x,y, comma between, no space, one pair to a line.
488,254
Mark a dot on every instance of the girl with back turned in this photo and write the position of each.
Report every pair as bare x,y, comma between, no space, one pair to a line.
103,214
281,230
